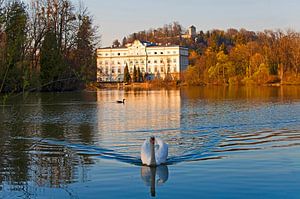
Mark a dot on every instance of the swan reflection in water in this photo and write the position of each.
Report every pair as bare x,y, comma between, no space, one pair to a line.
148,175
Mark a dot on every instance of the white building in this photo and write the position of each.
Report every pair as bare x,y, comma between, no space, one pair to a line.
156,61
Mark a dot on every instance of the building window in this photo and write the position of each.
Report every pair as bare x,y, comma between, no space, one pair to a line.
119,54
100,62
142,61
149,62
161,61
130,70
119,70
143,69
106,54
155,61
149,70
174,52
174,60
136,62
155,53
162,69
155,69
112,70
119,62
169,69
168,52
174,70
161,53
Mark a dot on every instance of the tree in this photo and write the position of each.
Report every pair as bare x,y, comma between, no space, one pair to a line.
2,45
116,44
85,59
134,75
221,68
240,58
124,42
14,76
296,53
1,11
52,64
126,75
139,75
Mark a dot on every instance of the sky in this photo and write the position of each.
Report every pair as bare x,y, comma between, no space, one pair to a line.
119,18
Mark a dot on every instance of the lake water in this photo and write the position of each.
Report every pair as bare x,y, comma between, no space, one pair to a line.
224,142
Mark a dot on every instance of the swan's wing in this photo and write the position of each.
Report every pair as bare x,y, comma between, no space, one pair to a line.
161,153
145,152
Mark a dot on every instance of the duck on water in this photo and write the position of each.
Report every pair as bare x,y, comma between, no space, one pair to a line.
121,101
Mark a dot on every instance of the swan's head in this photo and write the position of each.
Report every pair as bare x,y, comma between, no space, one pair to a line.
152,140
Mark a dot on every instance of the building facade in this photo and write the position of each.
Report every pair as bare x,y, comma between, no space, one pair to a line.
154,60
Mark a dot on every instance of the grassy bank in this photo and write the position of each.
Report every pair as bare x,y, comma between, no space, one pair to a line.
155,84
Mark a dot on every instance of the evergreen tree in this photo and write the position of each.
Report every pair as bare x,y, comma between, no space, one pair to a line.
126,74
124,42
52,64
85,60
139,75
134,78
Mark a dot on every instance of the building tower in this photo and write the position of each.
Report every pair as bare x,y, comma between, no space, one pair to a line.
192,31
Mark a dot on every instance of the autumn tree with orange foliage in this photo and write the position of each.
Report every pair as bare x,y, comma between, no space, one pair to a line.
243,57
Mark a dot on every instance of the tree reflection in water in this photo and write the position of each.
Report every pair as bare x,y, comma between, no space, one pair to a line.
25,161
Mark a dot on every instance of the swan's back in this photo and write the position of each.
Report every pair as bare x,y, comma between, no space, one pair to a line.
161,152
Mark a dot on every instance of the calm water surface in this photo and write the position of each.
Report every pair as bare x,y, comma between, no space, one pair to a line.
224,142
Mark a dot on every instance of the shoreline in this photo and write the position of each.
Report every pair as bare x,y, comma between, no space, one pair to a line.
170,85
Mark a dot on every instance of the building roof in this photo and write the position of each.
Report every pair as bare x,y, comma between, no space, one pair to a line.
113,48
147,44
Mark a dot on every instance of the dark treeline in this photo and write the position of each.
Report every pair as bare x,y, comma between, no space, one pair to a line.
48,45
232,56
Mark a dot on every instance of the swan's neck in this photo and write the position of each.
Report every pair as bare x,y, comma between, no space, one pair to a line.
152,151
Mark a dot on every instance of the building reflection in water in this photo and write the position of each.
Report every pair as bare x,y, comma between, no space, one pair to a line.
149,175
123,127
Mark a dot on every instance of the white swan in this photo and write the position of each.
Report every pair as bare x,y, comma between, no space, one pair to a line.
154,152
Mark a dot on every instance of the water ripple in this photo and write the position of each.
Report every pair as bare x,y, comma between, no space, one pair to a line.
207,146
